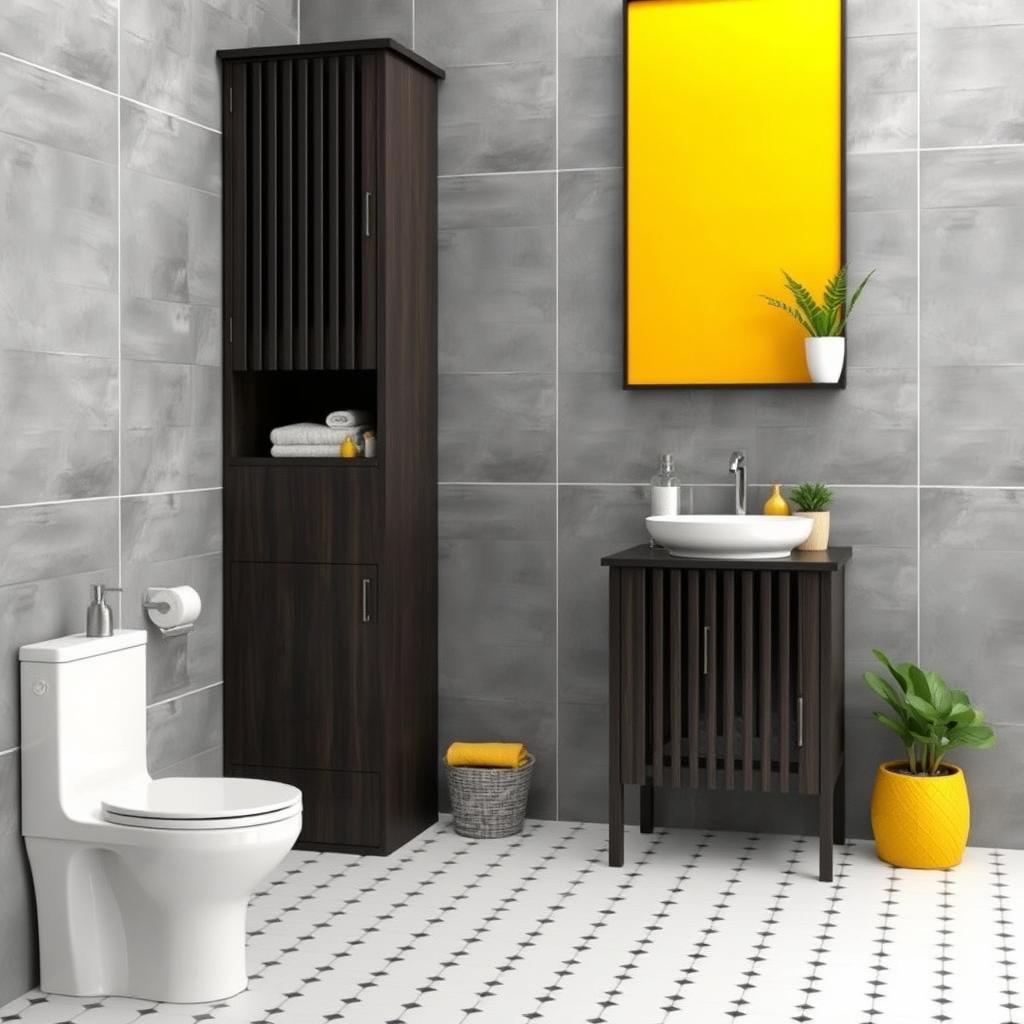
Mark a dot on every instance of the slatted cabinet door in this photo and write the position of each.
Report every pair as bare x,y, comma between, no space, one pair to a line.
301,159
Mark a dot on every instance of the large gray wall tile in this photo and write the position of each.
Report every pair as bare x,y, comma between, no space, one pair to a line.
497,427
496,269
207,764
881,93
881,17
172,540
583,761
497,592
497,105
972,230
18,943
589,83
168,48
590,288
77,39
972,594
324,21
971,89
180,729
592,522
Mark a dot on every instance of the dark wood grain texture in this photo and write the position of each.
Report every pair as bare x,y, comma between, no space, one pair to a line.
727,672
330,285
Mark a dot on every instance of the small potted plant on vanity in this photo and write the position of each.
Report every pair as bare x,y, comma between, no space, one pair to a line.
920,813
824,322
812,502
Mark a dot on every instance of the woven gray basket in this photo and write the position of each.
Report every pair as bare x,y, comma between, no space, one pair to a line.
489,803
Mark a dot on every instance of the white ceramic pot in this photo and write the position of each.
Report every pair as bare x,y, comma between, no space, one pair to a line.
825,357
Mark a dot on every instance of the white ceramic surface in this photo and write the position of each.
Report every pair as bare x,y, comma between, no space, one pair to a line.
728,536
825,358
145,906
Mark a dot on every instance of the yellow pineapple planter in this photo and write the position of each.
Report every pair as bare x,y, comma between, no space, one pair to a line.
920,821
920,813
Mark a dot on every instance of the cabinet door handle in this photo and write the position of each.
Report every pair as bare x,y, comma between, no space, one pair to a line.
799,721
707,637
366,600
367,199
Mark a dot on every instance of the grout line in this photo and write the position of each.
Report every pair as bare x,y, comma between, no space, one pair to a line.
558,572
186,694
106,497
298,22
413,46
538,170
753,483
120,320
917,299
108,92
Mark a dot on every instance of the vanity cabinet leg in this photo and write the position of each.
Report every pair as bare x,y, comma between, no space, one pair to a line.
825,808
616,824
647,808
839,811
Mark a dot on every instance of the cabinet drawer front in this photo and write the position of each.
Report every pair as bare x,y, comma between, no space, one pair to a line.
302,514
338,808
301,688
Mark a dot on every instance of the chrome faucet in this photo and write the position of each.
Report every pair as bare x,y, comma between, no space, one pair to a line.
738,465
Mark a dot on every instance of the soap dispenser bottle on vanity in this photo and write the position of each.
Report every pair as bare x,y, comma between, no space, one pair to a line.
665,489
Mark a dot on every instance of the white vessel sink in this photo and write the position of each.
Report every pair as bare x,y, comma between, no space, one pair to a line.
729,536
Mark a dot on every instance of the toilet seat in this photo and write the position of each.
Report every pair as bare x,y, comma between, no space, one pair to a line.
202,803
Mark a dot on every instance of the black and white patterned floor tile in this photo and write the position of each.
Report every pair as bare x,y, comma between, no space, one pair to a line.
708,927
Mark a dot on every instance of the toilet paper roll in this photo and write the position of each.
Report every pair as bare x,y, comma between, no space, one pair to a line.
184,606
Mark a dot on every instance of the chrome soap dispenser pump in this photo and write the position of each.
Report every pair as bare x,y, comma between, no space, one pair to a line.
99,620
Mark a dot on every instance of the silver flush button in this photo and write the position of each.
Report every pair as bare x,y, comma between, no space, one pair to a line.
39,688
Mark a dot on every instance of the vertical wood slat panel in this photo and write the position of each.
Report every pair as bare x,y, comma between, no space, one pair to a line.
349,213
729,675
334,273
316,209
300,344
782,632
747,672
807,676
693,675
286,142
675,663
634,671
711,621
766,618
237,234
254,336
271,281
366,181
658,675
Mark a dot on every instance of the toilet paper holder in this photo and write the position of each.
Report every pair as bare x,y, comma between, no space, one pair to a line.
162,606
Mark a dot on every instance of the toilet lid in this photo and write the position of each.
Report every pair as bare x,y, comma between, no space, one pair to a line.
195,803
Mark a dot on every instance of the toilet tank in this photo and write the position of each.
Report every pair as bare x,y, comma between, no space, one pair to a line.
83,725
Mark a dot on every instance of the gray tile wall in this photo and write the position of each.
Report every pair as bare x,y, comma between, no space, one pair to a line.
110,356
544,457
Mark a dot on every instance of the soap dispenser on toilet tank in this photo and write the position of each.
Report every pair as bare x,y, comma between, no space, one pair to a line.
99,620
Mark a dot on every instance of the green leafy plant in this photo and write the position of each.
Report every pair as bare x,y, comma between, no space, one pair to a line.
827,319
811,497
928,716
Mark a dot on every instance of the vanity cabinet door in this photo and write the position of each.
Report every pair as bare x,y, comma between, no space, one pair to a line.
301,688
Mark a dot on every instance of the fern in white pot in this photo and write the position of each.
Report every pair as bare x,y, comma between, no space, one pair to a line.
824,322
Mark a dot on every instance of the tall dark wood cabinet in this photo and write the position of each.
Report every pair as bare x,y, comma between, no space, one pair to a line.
330,285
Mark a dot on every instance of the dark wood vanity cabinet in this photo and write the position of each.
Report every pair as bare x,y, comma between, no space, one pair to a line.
330,285
727,675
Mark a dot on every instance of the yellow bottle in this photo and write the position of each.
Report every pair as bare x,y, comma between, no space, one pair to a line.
348,449
776,505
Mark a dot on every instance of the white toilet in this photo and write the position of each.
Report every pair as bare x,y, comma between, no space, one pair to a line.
141,885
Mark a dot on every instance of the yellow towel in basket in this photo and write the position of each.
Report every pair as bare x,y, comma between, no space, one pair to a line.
487,755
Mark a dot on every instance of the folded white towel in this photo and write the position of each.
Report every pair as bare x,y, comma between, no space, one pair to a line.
306,451
348,418
315,433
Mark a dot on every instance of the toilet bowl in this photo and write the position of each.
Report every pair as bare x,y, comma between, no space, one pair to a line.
141,885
